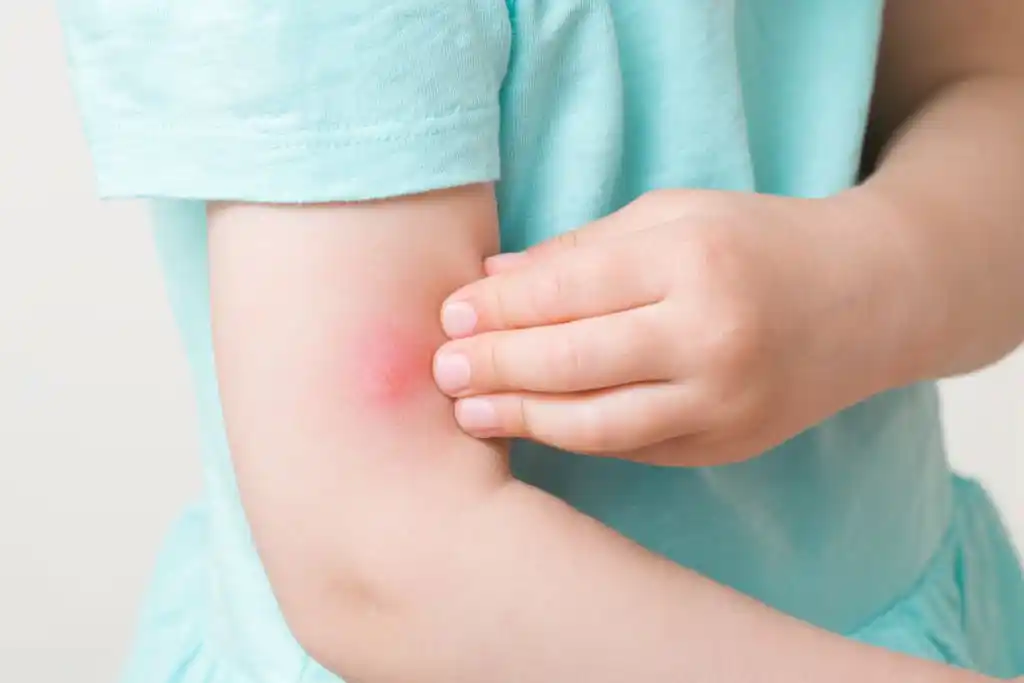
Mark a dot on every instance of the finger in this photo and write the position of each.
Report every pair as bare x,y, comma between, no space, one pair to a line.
612,224
631,218
582,355
605,422
616,223
506,262
652,209
580,284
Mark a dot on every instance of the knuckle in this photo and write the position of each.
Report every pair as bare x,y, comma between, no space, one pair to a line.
655,335
495,363
547,290
731,325
734,344
612,265
566,360
570,239
734,353
711,253
563,241
499,305
659,201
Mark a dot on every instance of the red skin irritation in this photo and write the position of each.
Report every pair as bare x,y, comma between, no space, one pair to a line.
394,367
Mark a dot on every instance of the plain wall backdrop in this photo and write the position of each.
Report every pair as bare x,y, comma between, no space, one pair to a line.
97,442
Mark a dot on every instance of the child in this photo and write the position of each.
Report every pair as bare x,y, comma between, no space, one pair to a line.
327,174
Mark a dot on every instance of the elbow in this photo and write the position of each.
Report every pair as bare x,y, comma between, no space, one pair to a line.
314,628
343,623
352,607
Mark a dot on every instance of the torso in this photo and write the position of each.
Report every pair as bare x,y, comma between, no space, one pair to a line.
608,99
604,100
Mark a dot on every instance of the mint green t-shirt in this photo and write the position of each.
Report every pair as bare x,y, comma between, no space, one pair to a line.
575,108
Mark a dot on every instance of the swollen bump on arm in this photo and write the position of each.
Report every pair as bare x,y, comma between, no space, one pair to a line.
389,375
392,368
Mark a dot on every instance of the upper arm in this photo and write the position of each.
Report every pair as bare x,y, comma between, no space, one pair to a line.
928,44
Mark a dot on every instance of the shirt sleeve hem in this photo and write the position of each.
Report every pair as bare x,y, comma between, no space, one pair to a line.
139,161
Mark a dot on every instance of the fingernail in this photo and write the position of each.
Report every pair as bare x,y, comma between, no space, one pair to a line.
476,415
451,372
458,319
500,262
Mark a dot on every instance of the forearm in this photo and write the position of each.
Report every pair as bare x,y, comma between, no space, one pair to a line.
947,207
531,592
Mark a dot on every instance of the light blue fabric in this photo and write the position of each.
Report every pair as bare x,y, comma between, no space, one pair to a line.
579,106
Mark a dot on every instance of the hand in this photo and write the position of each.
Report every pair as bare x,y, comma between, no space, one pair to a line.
690,328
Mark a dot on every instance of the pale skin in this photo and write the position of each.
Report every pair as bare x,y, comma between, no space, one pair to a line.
697,328
400,548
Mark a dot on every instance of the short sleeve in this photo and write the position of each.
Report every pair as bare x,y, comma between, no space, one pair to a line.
288,100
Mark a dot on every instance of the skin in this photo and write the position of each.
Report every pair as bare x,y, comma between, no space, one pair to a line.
393,369
401,550
704,346
702,328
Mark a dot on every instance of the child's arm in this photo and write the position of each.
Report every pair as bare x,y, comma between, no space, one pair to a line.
400,549
946,199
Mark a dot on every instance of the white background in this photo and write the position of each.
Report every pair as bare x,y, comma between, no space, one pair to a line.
97,446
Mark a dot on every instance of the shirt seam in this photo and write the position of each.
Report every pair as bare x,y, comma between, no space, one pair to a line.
427,126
